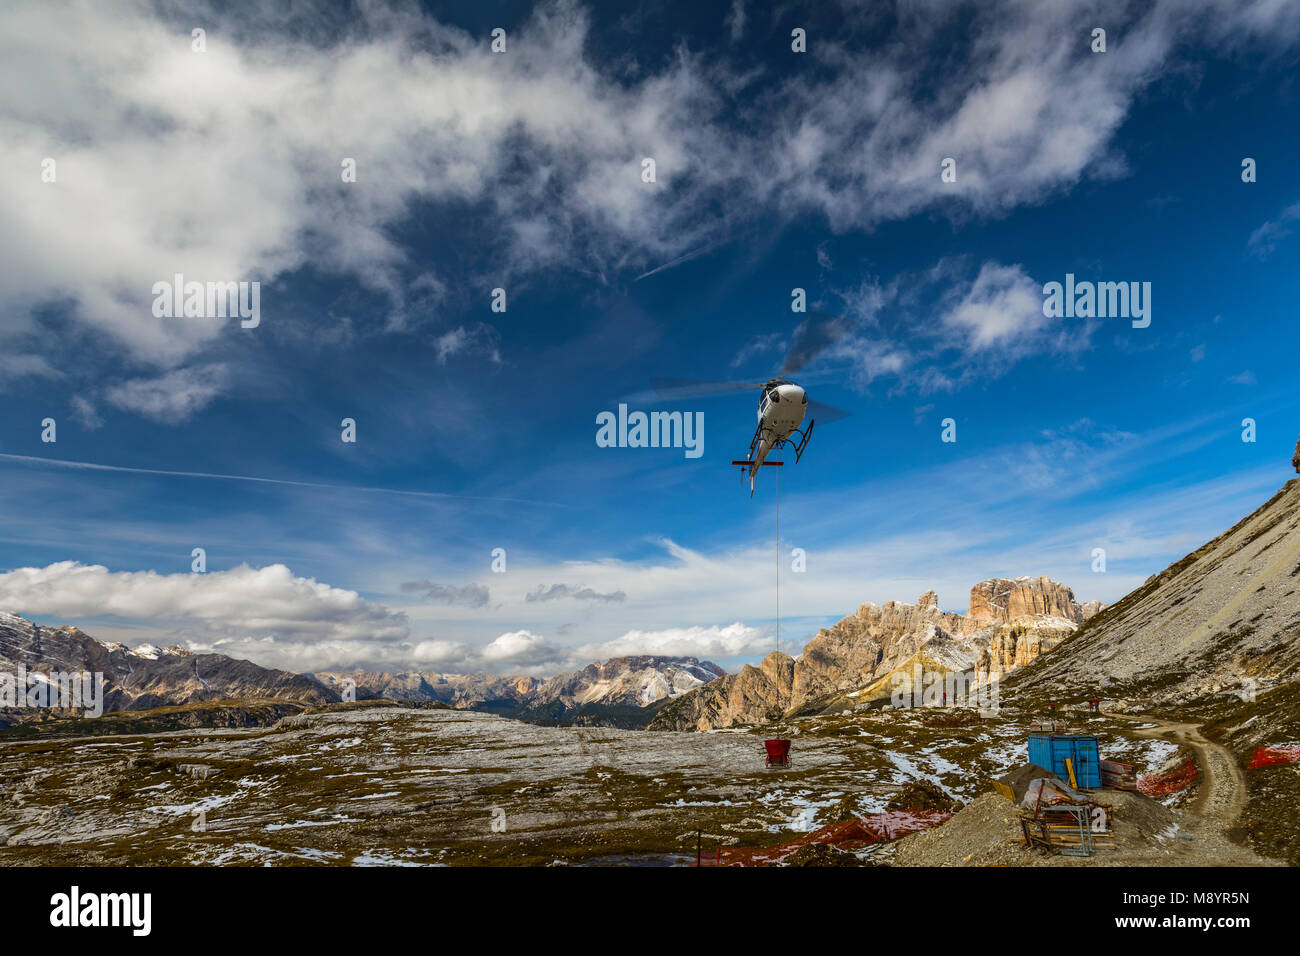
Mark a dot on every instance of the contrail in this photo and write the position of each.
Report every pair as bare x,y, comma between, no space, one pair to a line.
678,261
91,466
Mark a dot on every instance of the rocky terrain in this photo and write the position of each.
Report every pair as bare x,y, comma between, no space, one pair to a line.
1009,624
382,783
143,677
1224,621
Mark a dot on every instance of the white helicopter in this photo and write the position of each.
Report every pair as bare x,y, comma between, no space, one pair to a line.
783,404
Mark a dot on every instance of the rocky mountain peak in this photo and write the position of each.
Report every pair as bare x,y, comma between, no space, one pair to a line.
1295,459
1000,600
1011,622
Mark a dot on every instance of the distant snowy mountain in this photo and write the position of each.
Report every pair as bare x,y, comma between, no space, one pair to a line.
141,677
609,692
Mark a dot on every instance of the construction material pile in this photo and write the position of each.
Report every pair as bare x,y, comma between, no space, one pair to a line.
1057,818
987,832
1118,776
1014,784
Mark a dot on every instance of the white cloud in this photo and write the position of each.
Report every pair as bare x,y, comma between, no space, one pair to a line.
225,165
716,642
20,366
261,608
85,413
520,648
1263,241
171,398
480,339
1002,308
427,653
736,20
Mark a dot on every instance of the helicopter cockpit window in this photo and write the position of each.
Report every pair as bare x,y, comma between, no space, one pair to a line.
776,396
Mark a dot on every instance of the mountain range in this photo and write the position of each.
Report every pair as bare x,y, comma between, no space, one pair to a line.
142,677
621,691
853,663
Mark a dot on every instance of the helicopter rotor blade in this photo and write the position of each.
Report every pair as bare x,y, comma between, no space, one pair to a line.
815,334
672,389
823,413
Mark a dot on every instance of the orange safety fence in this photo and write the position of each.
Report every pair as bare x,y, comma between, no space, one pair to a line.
1163,784
879,828
1275,756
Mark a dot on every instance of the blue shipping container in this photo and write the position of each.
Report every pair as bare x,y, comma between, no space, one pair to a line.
1050,751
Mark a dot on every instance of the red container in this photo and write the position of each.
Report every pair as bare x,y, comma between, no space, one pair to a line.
778,752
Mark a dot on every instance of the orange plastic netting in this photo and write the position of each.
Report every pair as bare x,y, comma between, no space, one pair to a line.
845,836
1275,756
1163,784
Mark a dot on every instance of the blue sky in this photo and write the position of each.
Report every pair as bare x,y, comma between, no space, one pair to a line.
522,170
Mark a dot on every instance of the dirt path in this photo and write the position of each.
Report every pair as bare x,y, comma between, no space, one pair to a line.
1221,790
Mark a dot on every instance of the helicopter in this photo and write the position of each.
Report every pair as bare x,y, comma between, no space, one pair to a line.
783,404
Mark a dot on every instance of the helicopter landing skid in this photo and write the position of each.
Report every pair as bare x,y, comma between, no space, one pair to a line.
798,446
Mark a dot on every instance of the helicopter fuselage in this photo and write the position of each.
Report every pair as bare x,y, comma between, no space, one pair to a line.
780,412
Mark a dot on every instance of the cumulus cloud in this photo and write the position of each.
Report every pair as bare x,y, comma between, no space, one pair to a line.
265,607
521,648
471,595
1003,304
718,642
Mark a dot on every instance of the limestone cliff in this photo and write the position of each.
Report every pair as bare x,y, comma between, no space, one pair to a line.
1000,600
1013,644
1009,624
